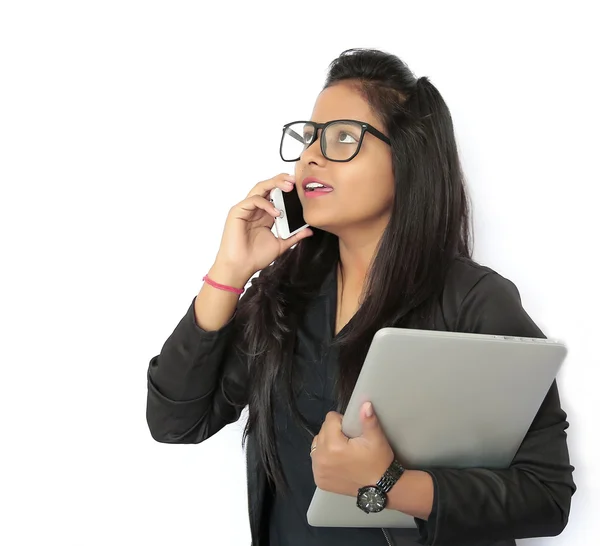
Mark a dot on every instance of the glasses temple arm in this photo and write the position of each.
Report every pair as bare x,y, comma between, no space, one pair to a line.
294,134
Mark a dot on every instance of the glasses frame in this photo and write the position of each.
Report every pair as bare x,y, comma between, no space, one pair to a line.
365,127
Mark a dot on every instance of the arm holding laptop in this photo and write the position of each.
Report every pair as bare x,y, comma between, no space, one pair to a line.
531,498
343,465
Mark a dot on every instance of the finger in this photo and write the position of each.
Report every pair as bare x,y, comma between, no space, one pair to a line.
294,239
248,207
265,188
333,438
333,422
284,181
333,416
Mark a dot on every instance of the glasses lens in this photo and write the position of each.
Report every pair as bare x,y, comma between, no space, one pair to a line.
341,140
296,138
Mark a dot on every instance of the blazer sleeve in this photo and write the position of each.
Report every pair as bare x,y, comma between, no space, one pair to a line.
531,498
198,382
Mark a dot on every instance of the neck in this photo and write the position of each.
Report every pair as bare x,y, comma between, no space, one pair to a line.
357,251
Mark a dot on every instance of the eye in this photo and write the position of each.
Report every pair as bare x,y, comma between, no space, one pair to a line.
343,135
307,137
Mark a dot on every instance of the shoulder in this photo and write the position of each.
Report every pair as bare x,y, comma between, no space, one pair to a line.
481,300
463,275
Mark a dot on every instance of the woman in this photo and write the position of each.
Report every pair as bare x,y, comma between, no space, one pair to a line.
388,246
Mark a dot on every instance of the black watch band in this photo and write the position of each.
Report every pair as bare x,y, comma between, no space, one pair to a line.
391,476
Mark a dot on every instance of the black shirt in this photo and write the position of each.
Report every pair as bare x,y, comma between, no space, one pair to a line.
316,364
197,385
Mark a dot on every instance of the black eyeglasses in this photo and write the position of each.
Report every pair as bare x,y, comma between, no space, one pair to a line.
340,138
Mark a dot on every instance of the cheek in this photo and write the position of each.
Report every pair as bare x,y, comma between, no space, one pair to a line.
371,194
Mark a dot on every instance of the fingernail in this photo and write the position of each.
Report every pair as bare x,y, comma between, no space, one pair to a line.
369,409
289,184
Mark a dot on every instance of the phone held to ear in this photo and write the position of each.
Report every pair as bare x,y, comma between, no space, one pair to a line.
291,220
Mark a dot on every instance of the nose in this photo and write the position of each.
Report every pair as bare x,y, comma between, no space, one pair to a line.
313,154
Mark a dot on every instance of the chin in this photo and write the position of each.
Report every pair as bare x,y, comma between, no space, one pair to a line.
319,220
324,226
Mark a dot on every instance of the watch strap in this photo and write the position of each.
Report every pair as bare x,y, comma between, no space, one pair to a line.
391,476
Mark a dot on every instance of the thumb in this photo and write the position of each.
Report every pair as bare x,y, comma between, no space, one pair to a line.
289,243
369,420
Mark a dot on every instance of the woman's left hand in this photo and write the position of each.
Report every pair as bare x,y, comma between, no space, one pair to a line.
343,465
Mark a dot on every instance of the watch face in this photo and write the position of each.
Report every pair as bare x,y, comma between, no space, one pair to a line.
370,499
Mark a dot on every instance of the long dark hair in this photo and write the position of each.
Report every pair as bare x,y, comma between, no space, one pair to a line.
429,227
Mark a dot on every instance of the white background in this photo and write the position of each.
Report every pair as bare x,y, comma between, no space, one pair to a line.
127,131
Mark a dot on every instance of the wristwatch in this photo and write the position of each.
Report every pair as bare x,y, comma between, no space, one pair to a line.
373,498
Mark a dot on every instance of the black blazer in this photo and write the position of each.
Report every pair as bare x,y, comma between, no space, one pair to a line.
197,385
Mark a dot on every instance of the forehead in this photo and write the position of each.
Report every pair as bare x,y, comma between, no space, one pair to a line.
341,101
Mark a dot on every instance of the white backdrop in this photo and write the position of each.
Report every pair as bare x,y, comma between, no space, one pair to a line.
127,131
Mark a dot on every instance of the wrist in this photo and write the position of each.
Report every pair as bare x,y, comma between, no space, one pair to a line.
228,275
413,494
374,497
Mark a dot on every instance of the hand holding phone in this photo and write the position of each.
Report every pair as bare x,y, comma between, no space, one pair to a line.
248,243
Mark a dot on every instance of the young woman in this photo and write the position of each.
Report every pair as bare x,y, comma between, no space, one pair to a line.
389,245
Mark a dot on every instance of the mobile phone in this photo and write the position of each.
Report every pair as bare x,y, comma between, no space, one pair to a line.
291,220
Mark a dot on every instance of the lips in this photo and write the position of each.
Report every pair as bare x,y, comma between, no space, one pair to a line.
327,188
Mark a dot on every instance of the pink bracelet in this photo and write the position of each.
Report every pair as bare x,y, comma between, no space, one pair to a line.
237,291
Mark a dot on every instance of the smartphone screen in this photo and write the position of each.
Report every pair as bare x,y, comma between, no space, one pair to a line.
293,209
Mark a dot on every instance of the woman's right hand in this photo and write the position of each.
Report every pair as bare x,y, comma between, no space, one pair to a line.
248,244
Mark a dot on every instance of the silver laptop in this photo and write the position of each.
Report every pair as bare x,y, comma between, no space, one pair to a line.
444,399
